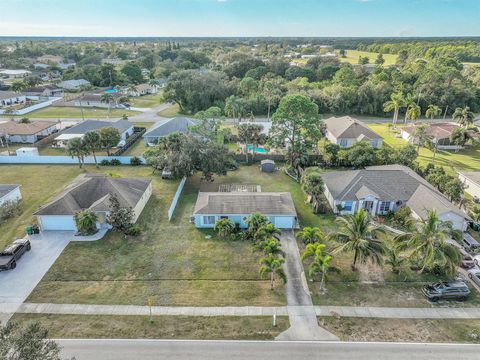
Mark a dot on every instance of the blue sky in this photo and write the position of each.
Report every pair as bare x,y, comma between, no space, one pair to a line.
240,17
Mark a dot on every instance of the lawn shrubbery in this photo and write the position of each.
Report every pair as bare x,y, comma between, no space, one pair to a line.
10,209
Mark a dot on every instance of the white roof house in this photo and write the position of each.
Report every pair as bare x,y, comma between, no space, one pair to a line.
73,84
12,74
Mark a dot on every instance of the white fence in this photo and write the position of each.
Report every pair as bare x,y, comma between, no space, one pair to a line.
45,159
173,205
34,107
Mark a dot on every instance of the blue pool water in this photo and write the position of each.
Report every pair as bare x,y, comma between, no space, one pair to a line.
259,150
111,91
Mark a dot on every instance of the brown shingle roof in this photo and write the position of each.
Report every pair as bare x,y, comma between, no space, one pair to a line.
14,128
349,128
437,131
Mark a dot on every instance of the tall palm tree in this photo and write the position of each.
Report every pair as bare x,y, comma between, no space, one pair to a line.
413,112
408,101
428,243
254,222
266,231
271,246
356,233
270,265
433,111
107,99
76,148
311,235
224,228
92,142
395,103
463,116
320,262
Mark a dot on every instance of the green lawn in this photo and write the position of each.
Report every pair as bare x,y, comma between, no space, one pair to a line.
147,101
352,57
403,330
38,184
161,327
170,112
173,262
75,112
139,147
467,159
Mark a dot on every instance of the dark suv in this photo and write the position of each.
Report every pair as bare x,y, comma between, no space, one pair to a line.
446,290
13,252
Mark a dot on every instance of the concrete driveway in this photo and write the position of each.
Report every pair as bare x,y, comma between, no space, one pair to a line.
16,285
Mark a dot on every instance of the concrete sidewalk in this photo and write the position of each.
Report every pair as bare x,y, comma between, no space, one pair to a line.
343,311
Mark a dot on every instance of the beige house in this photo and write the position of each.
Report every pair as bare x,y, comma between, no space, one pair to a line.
346,131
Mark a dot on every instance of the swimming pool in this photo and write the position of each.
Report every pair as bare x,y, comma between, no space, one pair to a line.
111,91
259,150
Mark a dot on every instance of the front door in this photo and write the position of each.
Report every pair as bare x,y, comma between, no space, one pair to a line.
368,205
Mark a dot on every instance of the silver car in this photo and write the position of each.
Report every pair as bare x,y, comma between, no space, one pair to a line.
474,274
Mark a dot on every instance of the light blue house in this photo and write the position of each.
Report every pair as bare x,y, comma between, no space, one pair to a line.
238,206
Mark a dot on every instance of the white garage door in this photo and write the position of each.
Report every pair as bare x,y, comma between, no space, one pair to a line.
57,223
283,222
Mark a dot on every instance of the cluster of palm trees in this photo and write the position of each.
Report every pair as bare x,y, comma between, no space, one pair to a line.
426,248
263,234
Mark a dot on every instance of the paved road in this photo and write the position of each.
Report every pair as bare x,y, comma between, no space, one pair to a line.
233,350
301,313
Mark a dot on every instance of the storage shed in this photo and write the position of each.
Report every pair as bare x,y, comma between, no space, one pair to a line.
267,166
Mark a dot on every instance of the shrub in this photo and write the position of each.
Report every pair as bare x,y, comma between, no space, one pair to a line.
115,162
136,161
10,209
133,230
105,163
86,222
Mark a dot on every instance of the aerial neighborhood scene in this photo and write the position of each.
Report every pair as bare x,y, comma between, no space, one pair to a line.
214,179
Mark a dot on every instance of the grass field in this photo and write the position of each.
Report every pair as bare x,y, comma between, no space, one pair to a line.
161,327
467,159
352,57
171,261
37,184
403,330
147,101
53,112
170,112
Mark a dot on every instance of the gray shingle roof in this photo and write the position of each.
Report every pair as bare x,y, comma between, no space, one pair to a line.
73,83
93,192
90,125
388,183
245,203
6,188
349,128
473,176
169,126
9,95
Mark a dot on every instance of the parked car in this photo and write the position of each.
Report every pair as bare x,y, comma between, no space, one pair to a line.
469,242
467,260
474,274
446,290
10,255
476,259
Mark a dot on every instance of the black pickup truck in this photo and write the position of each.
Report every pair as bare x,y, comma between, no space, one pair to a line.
13,252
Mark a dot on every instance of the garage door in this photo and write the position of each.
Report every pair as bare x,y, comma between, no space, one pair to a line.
57,223
283,222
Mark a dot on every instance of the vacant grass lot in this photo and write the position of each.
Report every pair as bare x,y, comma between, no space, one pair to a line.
161,327
173,262
352,57
147,101
38,184
467,159
75,112
406,330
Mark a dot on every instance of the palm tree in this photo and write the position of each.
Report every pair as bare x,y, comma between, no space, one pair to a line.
395,103
459,137
270,265
320,263
433,111
224,228
107,99
266,231
313,187
413,112
93,142
271,246
356,233
420,136
254,222
429,244
311,235
76,147
475,213
86,222
394,259
463,116
408,101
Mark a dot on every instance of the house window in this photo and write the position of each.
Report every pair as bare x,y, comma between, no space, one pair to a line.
209,220
348,206
384,206
343,142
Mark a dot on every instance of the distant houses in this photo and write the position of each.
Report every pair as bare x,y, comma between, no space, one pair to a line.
143,89
167,127
124,127
346,131
74,85
440,133
381,189
9,98
44,91
30,133
14,74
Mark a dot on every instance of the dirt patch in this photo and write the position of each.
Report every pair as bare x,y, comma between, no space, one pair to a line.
371,274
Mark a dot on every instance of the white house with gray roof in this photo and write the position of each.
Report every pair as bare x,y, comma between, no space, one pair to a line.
471,181
346,131
9,192
380,189
169,126
238,206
